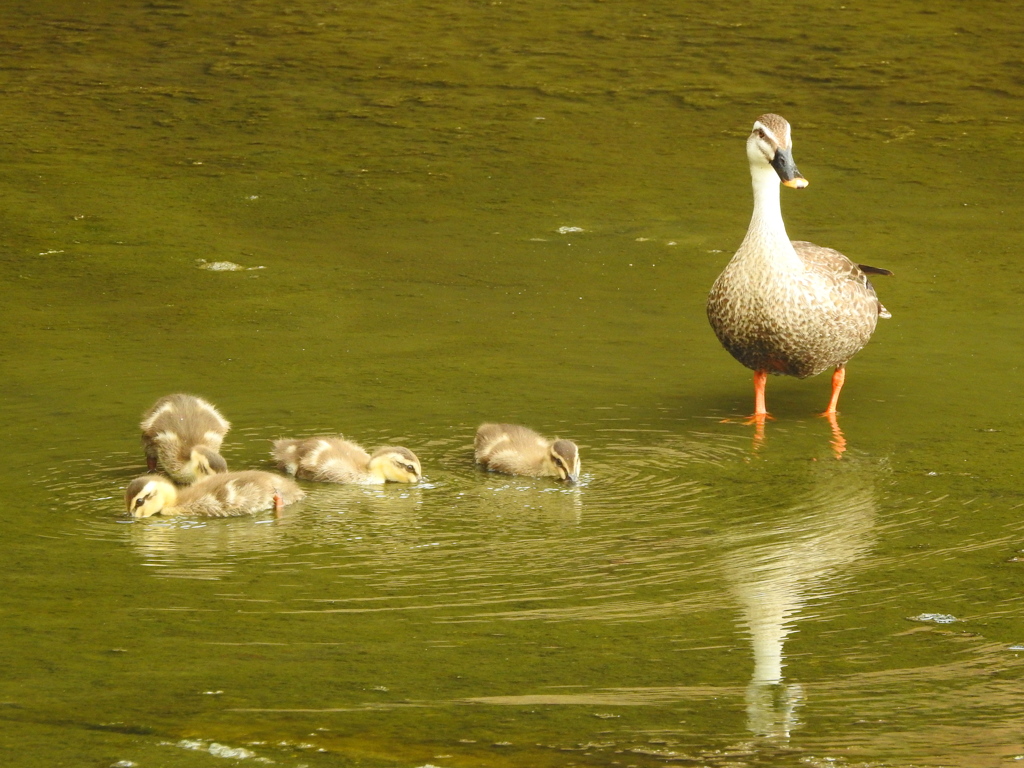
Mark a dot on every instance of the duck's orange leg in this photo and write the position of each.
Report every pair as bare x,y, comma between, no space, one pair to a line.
760,380
760,411
838,378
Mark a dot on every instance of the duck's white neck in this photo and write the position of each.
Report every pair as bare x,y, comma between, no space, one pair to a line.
766,235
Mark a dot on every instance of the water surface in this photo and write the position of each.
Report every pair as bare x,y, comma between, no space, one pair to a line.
451,213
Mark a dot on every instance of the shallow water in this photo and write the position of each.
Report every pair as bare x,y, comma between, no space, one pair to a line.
505,211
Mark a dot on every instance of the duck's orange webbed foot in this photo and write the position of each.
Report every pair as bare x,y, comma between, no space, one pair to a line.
754,418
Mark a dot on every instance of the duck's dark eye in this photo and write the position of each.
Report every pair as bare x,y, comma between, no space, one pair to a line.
141,500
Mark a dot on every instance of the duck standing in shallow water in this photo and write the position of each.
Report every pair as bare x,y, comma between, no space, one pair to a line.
336,460
224,495
182,434
789,307
515,450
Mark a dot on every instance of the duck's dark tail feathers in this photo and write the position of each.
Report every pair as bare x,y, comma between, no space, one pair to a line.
874,270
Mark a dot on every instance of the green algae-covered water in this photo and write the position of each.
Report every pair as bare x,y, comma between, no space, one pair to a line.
447,213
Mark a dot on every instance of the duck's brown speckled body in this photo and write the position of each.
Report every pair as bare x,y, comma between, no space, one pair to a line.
789,307
223,495
336,460
516,450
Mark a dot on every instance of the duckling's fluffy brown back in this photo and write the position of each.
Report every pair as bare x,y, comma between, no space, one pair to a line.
514,450
322,459
177,424
237,493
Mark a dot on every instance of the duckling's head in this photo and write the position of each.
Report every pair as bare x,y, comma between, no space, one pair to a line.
566,458
771,144
396,465
204,462
147,495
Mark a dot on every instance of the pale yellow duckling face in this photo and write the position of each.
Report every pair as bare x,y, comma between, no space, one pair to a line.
148,495
204,462
566,458
396,465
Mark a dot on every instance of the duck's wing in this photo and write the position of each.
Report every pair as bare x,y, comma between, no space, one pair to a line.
840,272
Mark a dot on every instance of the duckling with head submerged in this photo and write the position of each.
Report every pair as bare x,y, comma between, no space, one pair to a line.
230,494
789,307
182,434
336,460
516,450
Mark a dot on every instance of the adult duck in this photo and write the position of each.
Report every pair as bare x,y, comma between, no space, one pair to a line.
789,307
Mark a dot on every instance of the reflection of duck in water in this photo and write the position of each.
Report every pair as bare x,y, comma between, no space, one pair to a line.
335,460
774,573
183,434
225,495
516,450
789,307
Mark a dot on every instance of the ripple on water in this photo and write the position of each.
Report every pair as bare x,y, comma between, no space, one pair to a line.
625,525
655,523
662,527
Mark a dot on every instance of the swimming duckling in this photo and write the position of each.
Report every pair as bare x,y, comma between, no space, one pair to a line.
224,495
336,460
517,450
183,433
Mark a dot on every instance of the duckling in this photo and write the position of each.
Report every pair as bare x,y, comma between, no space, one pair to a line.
336,460
789,307
517,450
224,495
183,434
